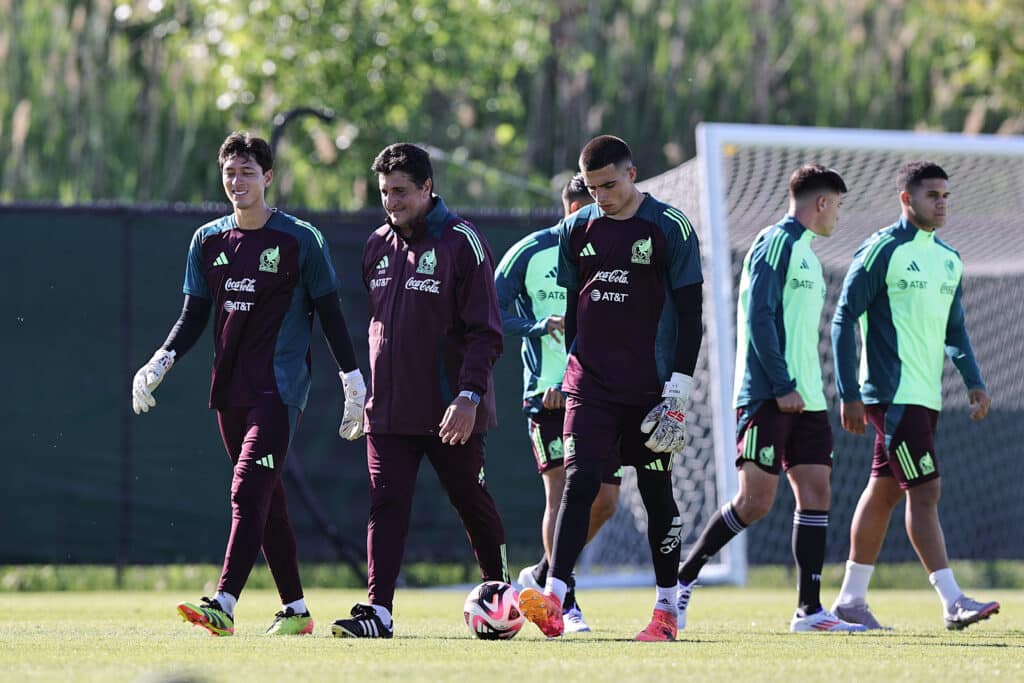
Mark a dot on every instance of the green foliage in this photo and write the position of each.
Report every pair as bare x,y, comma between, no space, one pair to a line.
128,100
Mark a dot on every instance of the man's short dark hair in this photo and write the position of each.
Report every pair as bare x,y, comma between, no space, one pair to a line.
604,150
811,179
405,157
575,191
241,144
911,175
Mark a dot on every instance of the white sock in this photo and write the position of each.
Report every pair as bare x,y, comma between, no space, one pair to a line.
227,602
666,599
945,585
383,614
855,583
299,606
556,587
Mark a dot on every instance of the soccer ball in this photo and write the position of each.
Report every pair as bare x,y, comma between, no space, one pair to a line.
492,611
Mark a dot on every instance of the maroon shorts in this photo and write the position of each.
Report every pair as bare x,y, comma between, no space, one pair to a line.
610,433
776,441
545,429
904,443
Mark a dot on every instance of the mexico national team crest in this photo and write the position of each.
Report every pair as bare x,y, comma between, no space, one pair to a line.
427,264
270,259
642,250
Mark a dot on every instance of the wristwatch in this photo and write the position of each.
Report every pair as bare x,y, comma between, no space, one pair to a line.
472,396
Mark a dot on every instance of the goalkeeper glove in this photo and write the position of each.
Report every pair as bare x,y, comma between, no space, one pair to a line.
355,399
666,422
148,378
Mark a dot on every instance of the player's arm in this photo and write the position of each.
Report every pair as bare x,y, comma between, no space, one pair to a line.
568,277
666,422
768,267
321,281
195,313
960,351
510,283
860,287
476,304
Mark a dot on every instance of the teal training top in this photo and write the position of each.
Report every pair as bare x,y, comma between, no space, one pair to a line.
778,316
904,287
528,292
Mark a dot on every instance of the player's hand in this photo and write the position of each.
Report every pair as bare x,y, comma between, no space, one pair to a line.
980,402
553,399
792,402
556,327
148,378
355,400
853,416
458,422
666,423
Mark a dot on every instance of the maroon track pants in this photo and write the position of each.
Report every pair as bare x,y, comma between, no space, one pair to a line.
393,461
256,439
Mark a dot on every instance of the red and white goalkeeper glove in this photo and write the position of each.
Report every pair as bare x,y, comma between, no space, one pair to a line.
666,423
355,400
148,378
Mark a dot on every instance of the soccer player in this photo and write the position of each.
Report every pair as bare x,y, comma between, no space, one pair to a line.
533,307
779,396
265,274
905,286
631,268
435,332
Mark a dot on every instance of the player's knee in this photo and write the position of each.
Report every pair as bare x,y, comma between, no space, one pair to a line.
926,494
753,505
581,485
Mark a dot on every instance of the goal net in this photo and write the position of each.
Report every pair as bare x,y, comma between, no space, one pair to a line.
736,186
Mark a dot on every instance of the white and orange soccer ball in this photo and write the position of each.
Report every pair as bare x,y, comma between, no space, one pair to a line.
492,611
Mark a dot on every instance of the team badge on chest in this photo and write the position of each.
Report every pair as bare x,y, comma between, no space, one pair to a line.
642,250
427,264
270,259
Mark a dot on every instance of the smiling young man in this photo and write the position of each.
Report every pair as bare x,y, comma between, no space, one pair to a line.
265,274
435,332
631,269
905,288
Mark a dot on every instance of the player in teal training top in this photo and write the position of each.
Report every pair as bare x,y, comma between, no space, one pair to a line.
781,411
533,307
904,286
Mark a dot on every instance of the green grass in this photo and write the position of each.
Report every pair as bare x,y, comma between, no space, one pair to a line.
735,634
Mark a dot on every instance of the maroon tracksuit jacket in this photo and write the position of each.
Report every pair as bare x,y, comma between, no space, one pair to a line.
435,325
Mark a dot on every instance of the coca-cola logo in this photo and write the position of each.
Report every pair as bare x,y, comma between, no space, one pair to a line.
424,285
246,284
617,276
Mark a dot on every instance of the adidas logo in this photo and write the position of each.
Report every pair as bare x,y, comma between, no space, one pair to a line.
913,267
803,264
221,260
383,264
267,461
588,250
552,273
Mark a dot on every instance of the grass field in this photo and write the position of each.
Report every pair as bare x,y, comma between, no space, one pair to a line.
735,634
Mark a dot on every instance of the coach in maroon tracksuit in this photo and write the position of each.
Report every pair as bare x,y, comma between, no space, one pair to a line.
435,332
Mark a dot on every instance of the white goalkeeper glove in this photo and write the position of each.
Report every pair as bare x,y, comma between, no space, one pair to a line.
148,378
666,423
355,400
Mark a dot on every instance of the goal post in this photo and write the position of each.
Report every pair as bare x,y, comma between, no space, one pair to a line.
738,184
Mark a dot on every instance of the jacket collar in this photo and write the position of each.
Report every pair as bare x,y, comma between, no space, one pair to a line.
433,222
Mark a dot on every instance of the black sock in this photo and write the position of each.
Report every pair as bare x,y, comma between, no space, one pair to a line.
570,594
810,529
720,529
540,571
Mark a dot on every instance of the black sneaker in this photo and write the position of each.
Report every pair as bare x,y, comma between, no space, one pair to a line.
364,624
